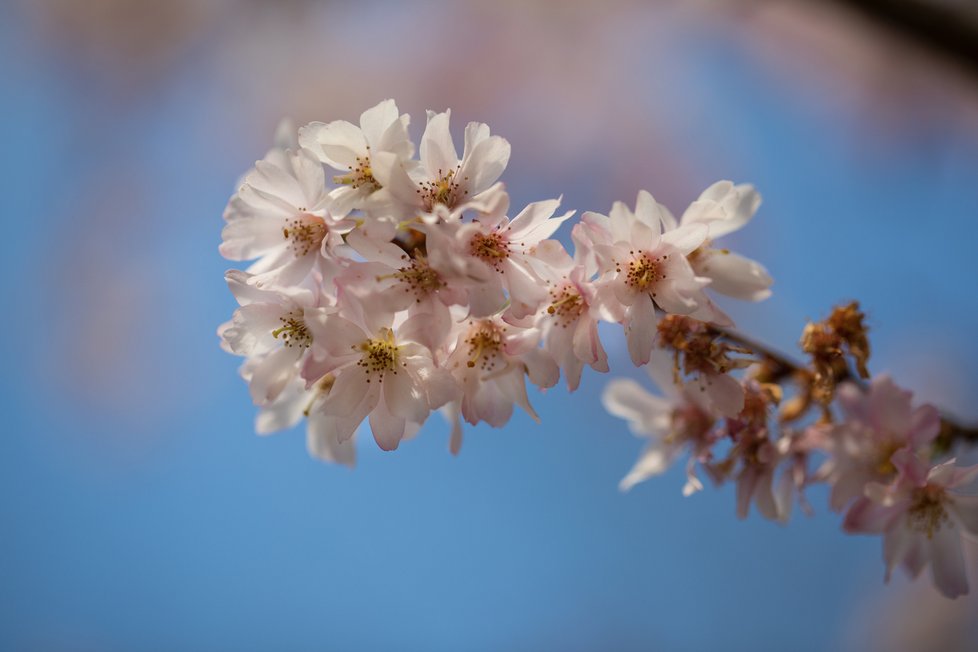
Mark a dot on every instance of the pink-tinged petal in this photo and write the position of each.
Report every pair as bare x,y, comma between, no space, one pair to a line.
734,275
248,234
404,397
897,543
250,330
337,144
440,386
351,394
640,324
646,413
764,497
722,393
925,424
484,164
438,152
965,510
375,121
390,172
947,562
285,412
868,517
323,440
486,402
912,468
586,345
888,406
513,388
387,428
619,223
376,251
915,557
642,237
686,238
535,218
475,133
527,292
572,368
647,213
292,273
541,368
654,460
486,299
739,208
746,484
273,373
452,413
335,336
783,495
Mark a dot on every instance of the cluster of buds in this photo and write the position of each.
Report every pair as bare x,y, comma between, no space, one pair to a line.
386,286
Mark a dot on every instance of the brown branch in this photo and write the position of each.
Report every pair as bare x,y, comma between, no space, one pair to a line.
952,431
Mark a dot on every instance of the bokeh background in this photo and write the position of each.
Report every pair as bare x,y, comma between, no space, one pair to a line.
140,512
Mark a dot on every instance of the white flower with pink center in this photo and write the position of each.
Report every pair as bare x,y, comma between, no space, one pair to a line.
271,329
350,149
877,423
673,424
382,372
491,257
644,266
280,216
441,177
570,313
491,362
922,517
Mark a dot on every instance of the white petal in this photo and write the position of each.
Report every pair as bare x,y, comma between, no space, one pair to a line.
655,460
438,152
734,275
947,562
337,144
388,429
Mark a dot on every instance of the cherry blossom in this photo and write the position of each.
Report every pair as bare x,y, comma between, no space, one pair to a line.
281,216
922,519
644,267
350,149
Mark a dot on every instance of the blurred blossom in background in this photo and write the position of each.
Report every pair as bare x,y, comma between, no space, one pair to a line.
140,511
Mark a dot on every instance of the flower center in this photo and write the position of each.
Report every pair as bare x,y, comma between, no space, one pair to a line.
567,305
419,278
491,248
643,271
306,233
485,342
443,190
359,176
379,355
293,331
927,512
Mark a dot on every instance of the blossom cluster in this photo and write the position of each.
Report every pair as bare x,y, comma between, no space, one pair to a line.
878,453
389,281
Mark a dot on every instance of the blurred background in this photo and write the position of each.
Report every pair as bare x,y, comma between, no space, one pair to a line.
139,510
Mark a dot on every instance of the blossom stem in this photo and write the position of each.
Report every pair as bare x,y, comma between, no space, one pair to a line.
952,431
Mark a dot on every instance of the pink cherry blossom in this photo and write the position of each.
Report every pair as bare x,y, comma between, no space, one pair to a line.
643,268
349,148
922,519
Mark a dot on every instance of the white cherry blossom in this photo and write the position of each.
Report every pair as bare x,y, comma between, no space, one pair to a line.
644,267
351,149
441,177
281,217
